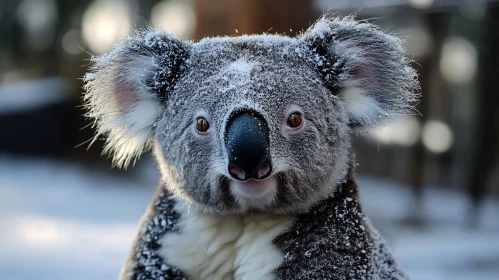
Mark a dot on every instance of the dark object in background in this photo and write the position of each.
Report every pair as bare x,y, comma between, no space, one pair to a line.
39,117
251,17
31,116
486,146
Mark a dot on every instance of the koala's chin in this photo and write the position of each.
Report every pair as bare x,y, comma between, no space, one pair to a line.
254,194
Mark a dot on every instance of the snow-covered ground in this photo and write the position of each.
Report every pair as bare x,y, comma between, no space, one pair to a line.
61,220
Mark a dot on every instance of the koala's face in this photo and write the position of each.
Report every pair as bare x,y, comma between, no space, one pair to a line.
252,123
276,138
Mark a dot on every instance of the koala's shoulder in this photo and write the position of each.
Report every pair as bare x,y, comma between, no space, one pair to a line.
144,261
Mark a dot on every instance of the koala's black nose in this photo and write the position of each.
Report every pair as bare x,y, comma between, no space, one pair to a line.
248,146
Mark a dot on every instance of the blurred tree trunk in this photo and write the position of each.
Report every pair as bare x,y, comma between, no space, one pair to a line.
224,17
427,67
487,117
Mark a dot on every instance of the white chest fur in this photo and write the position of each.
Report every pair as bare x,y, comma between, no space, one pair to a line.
225,247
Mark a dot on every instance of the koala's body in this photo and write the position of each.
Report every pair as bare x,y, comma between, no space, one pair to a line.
252,137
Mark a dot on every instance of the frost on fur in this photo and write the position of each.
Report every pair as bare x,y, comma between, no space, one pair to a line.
366,66
126,87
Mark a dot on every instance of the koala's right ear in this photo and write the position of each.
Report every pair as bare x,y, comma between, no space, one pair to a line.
125,88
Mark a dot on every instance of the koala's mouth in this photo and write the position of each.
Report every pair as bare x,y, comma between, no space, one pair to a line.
254,188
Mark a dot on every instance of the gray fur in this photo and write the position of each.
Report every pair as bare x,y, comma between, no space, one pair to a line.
279,79
335,240
269,74
369,59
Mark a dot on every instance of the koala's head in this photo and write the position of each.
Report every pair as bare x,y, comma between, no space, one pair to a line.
254,122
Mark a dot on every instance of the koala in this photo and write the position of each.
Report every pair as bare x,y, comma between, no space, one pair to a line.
252,135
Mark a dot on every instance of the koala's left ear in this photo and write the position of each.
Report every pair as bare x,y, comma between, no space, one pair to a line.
125,88
367,67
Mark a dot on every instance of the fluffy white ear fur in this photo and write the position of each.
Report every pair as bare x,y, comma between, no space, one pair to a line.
123,88
123,108
361,107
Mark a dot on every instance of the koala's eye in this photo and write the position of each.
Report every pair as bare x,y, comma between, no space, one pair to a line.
202,124
295,120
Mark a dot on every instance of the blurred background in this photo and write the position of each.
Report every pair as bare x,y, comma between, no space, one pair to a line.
429,182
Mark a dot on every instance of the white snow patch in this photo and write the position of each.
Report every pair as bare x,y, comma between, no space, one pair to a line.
321,29
266,40
241,65
89,76
60,220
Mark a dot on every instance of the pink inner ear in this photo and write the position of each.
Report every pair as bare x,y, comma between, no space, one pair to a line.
365,71
366,75
126,95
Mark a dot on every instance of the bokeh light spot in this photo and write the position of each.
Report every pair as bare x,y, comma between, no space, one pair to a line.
421,4
437,136
458,63
404,132
105,23
37,231
174,16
